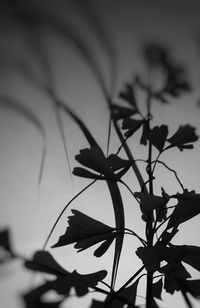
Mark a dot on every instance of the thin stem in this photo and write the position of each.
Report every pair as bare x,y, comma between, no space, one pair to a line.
64,209
149,227
172,170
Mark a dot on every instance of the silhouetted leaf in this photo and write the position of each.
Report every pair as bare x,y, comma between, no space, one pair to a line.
156,54
33,298
119,112
44,262
149,202
172,277
129,294
116,163
129,96
95,159
5,240
85,237
158,136
157,289
81,283
188,206
192,256
183,137
193,287
152,256
97,304
131,125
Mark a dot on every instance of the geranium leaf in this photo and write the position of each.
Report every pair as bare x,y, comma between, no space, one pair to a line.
184,135
85,232
5,240
44,262
97,304
32,299
158,136
84,173
131,125
188,206
192,256
157,289
129,96
117,163
129,294
79,282
120,112
149,202
95,159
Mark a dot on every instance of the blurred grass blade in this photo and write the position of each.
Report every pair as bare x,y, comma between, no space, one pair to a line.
14,106
82,126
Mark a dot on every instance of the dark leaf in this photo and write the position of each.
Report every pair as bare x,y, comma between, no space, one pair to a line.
84,173
192,256
152,256
157,289
128,294
120,112
33,298
44,262
5,240
81,283
184,135
158,136
131,125
193,287
172,277
116,163
149,202
97,304
188,206
85,237
95,159
129,96
156,55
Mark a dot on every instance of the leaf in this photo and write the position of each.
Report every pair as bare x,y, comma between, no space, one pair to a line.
119,112
158,136
81,283
97,304
129,294
157,289
192,256
44,262
85,237
188,206
183,137
33,298
193,287
5,240
95,159
149,202
173,276
129,96
152,256
131,125
116,163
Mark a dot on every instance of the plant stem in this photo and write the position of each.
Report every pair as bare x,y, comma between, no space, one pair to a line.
149,226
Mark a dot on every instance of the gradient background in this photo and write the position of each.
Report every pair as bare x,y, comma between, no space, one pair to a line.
30,210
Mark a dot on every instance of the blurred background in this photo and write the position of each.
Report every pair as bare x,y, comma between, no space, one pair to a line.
83,49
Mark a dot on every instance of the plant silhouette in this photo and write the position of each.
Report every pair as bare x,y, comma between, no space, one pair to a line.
163,262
